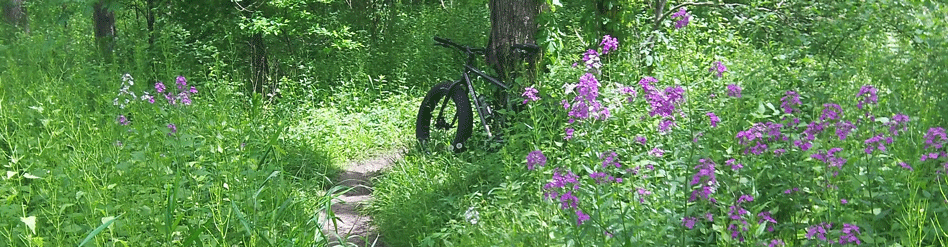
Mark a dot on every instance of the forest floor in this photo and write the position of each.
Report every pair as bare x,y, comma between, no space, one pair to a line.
353,225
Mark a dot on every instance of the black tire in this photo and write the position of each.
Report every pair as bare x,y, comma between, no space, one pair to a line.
431,104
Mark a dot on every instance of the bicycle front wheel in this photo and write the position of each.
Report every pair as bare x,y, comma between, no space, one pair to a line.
445,115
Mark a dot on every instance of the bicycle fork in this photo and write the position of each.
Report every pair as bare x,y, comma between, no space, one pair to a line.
477,104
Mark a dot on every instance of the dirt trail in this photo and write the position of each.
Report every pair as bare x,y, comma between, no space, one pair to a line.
353,224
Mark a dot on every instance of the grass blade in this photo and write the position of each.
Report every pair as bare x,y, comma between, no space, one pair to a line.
97,230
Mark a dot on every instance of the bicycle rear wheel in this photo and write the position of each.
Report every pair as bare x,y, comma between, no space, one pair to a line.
461,112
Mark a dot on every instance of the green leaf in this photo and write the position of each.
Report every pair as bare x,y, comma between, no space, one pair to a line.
104,225
30,223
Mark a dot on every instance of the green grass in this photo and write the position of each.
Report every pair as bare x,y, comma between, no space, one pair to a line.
236,171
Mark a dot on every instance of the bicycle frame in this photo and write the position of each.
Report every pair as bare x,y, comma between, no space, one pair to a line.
466,78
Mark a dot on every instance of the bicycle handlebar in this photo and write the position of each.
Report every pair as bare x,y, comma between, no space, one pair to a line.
529,48
466,49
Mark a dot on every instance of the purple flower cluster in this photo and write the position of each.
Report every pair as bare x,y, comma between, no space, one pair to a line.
935,138
183,95
848,234
789,101
535,158
899,120
763,217
867,95
642,194
734,165
733,90
682,17
714,119
719,68
610,159
591,59
829,157
736,214
569,182
706,178
662,102
876,143
819,231
172,129
756,138
585,104
627,90
689,222
122,120
530,94
831,112
609,44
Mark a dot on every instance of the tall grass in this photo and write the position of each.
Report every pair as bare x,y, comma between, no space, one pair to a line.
681,161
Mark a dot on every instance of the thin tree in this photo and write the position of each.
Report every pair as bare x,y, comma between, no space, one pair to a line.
104,22
15,13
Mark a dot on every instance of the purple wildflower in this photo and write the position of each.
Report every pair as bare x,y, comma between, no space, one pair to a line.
530,94
899,120
843,128
174,129
569,133
160,87
745,198
935,138
640,139
818,231
878,141
789,101
843,201
775,243
535,158
665,125
581,217
734,165
608,44
559,180
831,112
867,95
689,222
591,58
610,159
906,166
733,90
714,119
181,83
627,90
122,120
719,68
682,18
849,233
705,173
657,152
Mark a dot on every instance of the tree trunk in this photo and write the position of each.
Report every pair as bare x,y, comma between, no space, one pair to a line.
511,22
15,14
104,21
259,65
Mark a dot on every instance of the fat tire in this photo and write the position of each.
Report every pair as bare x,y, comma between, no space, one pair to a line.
431,103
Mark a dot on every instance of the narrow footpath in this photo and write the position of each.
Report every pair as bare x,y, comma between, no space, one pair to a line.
353,224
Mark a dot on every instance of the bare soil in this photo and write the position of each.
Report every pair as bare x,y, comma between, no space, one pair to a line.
353,225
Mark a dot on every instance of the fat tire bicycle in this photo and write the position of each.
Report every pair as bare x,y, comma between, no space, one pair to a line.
460,92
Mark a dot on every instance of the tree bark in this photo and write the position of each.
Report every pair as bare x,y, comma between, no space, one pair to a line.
259,65
104,21
511,22
15,14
